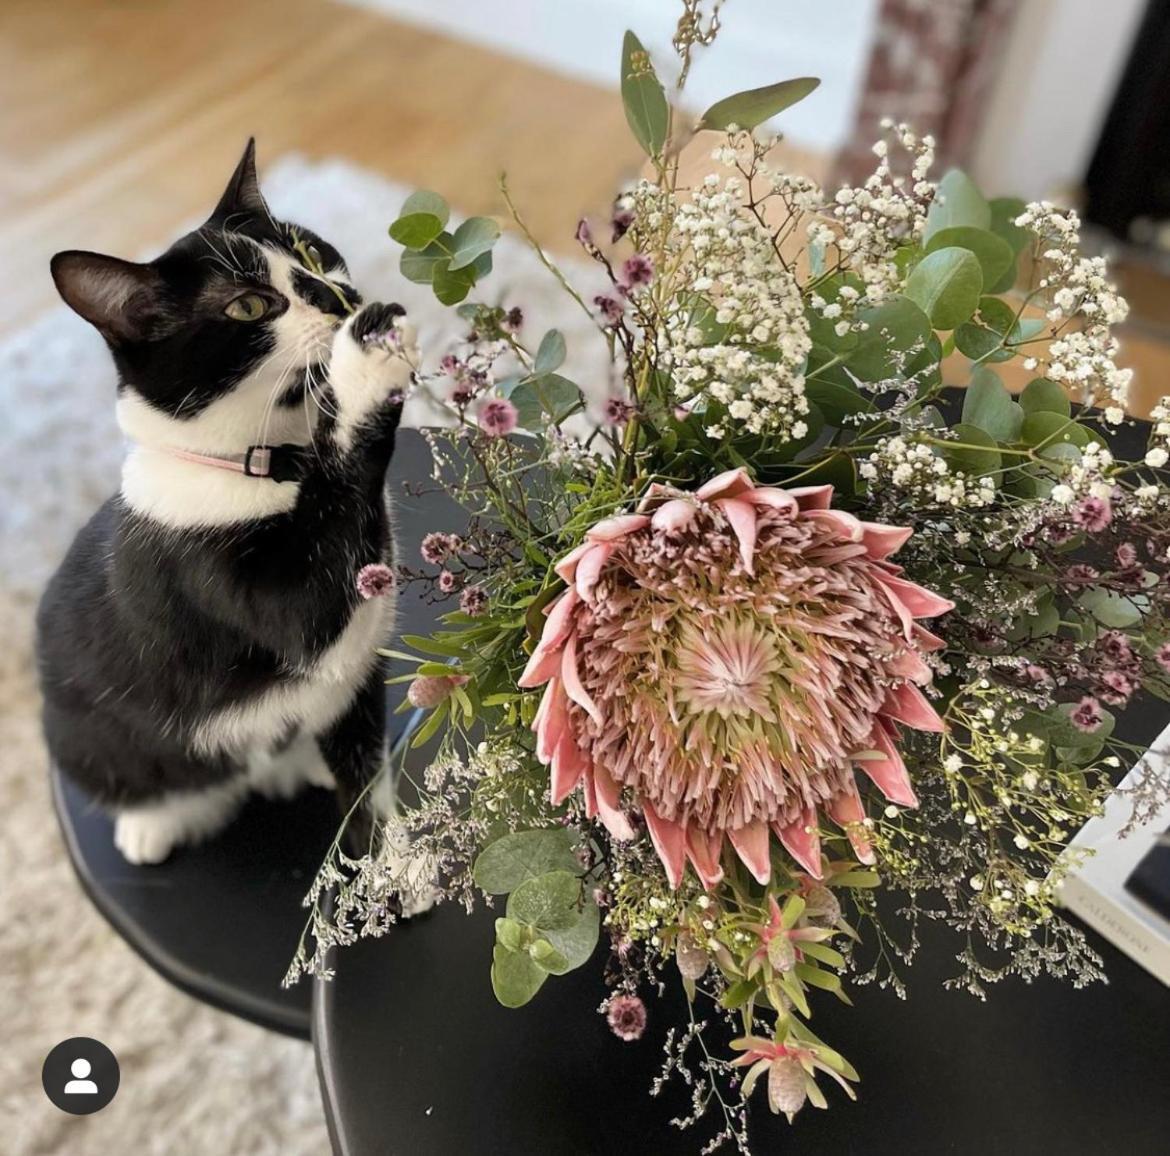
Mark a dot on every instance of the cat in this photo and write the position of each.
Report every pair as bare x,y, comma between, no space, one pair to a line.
204,635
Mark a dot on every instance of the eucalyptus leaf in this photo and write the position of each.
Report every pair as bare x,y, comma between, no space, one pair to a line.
896,326
643,97
946,285
988,405
993,253
577,942
419,266
980,344
978,455
416,230
1111,609
997,314
1042,427
958,202
837,399
550,902
551,353
511,860
546,956
756,105
1004,211
516,977
472,239
1042,395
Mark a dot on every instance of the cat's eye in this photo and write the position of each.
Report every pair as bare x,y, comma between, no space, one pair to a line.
247,307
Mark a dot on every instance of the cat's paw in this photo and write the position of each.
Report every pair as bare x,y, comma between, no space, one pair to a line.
143,837
370,369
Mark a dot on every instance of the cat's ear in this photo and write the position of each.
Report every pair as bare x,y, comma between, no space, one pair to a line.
242,195
118,297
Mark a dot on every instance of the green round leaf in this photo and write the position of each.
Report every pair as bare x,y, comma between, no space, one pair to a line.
978,454
550,902
946,285
988,405
756,105
1042,427
1004,211
993,253
896,326
643,97
980,344
516,977
420,266
511,860
1043,396
510,934
576,943
417,230
546,956
472,239
551,353
424,201
958,202
836,398
1111,609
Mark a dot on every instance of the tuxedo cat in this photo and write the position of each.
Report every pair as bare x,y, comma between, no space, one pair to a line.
204,635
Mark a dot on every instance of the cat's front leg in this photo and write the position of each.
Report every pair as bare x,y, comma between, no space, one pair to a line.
370,368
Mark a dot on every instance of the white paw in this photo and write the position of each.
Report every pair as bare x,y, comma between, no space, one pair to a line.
144,837
366,374
282,774
413,875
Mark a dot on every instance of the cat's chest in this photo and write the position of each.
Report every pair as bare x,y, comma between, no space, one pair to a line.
309,699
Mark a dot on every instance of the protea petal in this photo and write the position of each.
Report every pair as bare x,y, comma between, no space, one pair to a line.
812,497
921,603
751,844
614,528
673,516
848,812
566,568
910,664
703,852
768,497
589,568
881,541
889,773
802,841
552,720
924,640
742,516
569,764
907,704
609,796
544,664
571,677
669,841
729,484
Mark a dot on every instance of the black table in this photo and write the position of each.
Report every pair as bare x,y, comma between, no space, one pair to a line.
416,1056
222,920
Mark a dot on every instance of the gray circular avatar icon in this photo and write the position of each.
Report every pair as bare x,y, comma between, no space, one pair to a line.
80,1075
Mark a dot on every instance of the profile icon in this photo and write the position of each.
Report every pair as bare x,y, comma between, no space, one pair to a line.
80,1076
81,1084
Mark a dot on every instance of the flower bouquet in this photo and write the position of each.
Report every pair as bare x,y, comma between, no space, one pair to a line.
769,645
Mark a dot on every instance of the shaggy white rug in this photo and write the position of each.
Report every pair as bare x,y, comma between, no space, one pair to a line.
195,1081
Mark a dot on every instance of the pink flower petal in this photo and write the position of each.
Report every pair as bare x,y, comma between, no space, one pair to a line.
589,568
889,773
674,515
907,704
848,813
910,664
742,516
609,796
729,484
844,523
569,764
545,660
802,842
812,497
924,640
881,541
922,603
614,528
769,497
650,499
751,844
543,665
571,677
669,841
552,720
703,852
566,568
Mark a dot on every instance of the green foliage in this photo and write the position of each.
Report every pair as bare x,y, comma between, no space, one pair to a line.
946,285
451,263
512,860
994,255
550,354
1043,396
472,240
643,98
976,452
958,203
756,105
422,218
896,326
989,406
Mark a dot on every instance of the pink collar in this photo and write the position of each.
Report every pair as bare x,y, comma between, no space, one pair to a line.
283,463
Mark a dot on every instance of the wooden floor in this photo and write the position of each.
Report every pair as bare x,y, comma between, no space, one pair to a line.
120,118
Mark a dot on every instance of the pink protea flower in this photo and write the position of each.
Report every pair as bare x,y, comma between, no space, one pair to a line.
728,658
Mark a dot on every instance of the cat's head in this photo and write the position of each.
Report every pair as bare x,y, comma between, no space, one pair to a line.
219,341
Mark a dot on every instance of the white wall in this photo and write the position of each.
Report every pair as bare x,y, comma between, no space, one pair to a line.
1056,84
762,41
